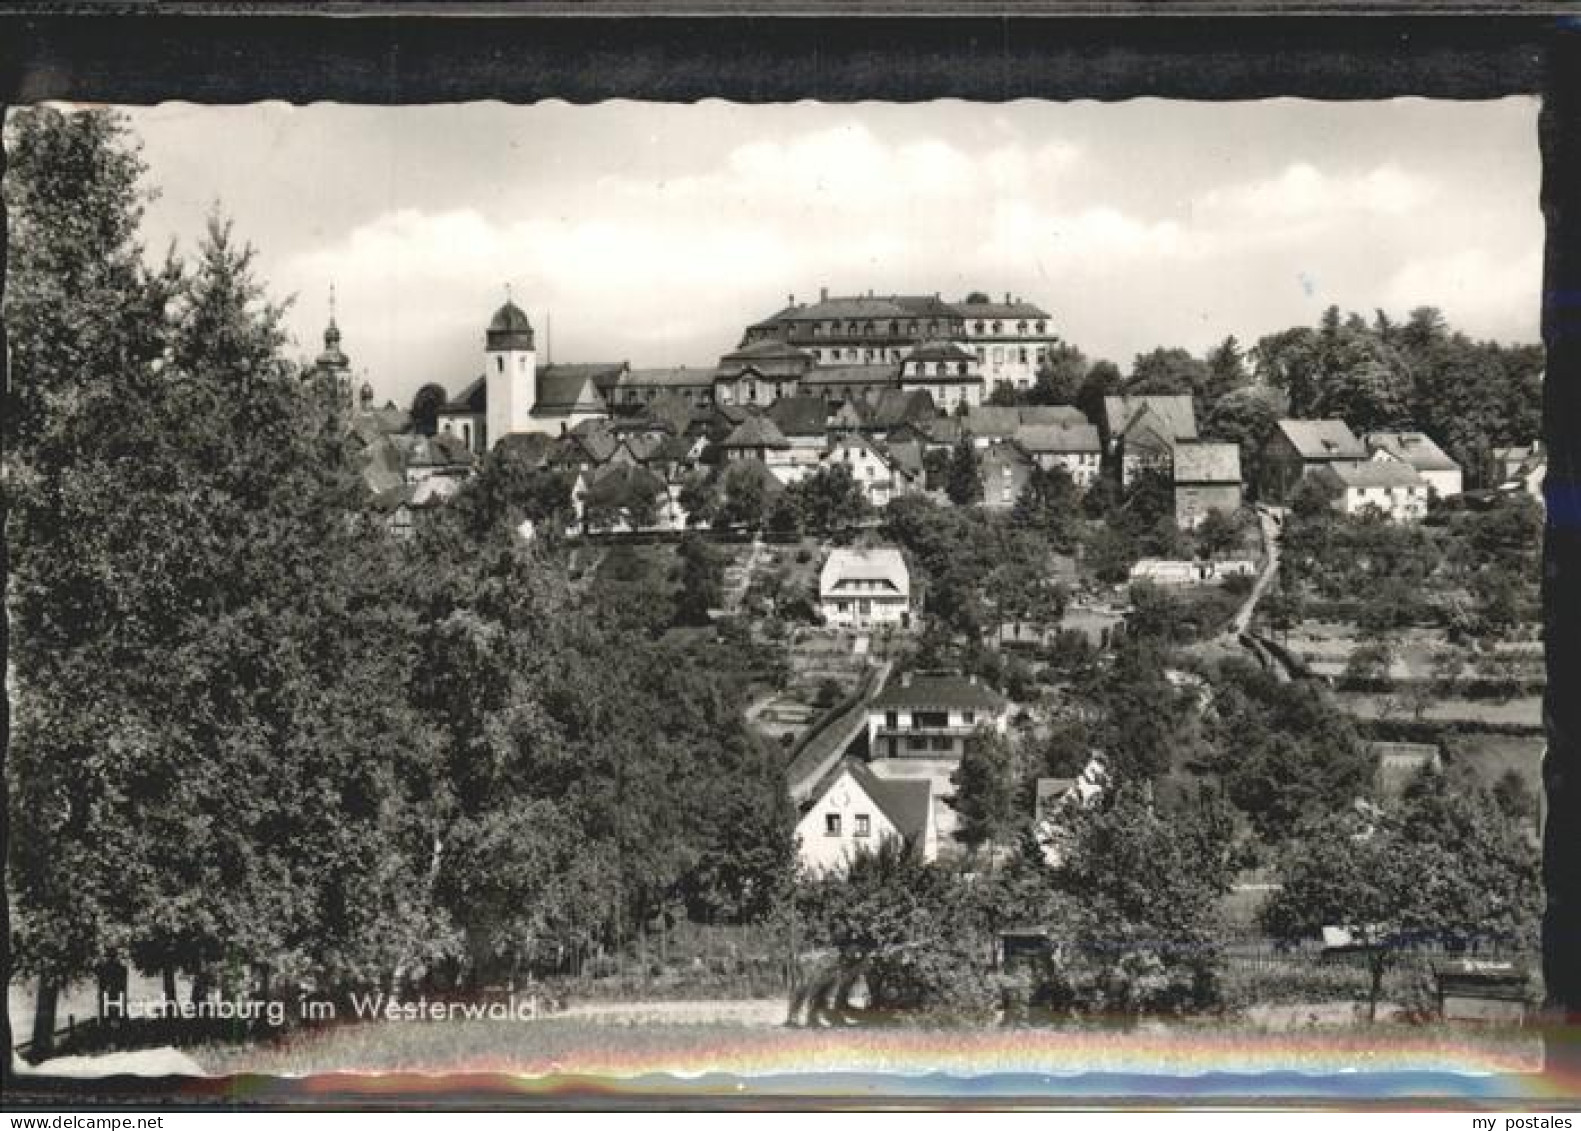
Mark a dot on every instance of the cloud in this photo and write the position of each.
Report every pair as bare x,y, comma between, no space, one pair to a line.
1304,192
660,250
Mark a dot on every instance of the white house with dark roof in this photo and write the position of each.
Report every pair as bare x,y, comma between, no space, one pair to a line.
949,373
1299,448
861,588
1418,451
1075,447
931,715
853,810
882,473
1011,338
1387,486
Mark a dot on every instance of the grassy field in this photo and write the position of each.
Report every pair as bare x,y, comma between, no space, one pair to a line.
1491,755
1524,711
580,1046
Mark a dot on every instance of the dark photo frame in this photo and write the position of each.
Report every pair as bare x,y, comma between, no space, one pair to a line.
909,51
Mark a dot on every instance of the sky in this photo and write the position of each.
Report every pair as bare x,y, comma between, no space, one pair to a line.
653,233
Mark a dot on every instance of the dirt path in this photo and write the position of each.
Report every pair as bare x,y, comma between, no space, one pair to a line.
1270,570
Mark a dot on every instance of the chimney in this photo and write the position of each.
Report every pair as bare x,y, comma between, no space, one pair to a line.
1007,298
790,300
905,679
972,679
823,294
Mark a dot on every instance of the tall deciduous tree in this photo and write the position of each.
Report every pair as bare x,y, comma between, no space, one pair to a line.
1445,867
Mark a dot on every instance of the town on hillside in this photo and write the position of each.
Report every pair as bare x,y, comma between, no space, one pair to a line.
908,667
945,521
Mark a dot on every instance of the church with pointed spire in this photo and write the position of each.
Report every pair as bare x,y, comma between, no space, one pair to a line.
333,368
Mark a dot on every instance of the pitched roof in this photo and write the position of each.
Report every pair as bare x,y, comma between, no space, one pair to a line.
440,450
381,467
1172,416
1004,451
585,445
1001,310
906,456
901,406
472,399
992,420
1372,473
937,690
562,389
670,378
907,803
941,351
1414,448
820,375
1207,463
755,468
943,429
876,563
861,308
1066,414
851,414
1058,438
755,432
531,448
771,358
1322,439
800,416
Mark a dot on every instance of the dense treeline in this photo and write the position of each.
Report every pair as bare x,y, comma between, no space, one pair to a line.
254,737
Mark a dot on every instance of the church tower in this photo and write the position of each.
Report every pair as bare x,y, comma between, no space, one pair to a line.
511,372
334,367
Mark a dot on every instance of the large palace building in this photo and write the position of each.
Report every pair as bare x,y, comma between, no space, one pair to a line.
839,349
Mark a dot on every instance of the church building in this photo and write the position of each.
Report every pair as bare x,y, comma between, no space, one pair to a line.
516,395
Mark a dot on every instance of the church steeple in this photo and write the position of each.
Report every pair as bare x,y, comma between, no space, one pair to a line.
333,365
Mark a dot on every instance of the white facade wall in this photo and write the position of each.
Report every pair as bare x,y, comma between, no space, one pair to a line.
1401,504
1443,483
512,380
947,397
832,831
469,428
852,606
1082,467
1008,349
901,734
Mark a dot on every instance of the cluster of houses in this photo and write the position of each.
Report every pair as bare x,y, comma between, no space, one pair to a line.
916,730
875,384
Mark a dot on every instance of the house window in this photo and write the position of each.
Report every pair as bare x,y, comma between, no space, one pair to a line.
892,719
831,824
969,718
499,365
864,825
